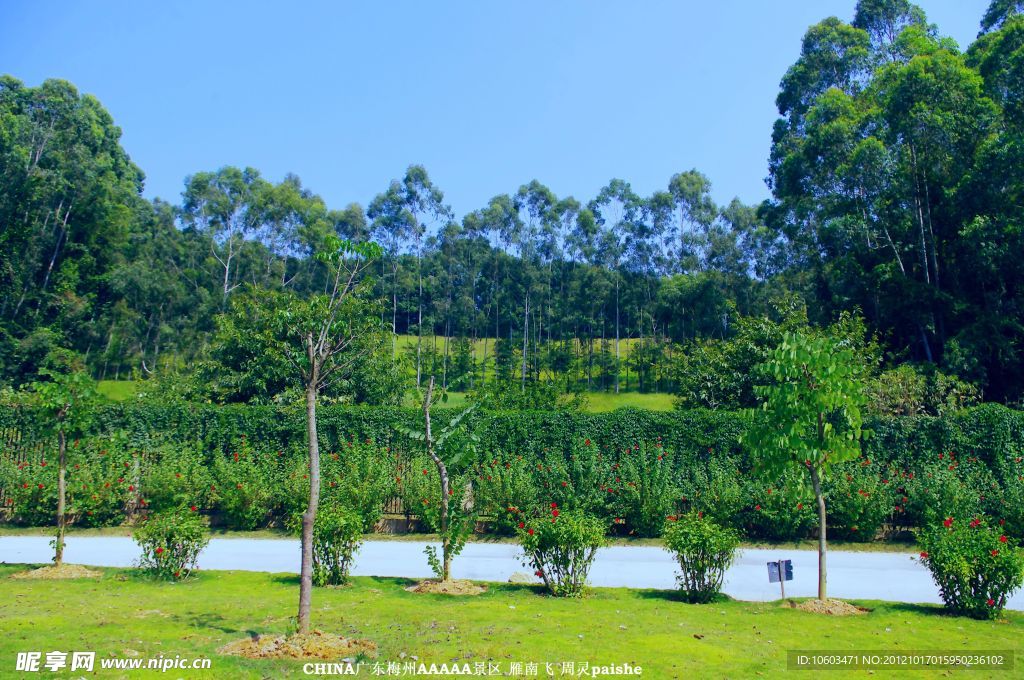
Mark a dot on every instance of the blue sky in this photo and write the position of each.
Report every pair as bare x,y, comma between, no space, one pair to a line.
486,95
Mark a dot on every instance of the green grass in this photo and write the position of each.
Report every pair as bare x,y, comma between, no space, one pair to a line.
117,390
599,402
123,613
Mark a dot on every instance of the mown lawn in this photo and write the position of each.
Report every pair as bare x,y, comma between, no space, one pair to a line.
124,613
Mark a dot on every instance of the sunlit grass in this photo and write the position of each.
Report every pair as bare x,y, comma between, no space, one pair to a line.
125,614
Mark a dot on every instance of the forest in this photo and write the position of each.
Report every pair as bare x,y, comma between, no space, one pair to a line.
894,223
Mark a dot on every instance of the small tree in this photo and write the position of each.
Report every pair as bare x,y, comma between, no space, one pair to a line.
811,415
447,448
321,337
66,399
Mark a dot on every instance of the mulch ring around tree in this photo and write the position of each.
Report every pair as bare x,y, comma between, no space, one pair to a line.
830,607
453,587
313,645
53,572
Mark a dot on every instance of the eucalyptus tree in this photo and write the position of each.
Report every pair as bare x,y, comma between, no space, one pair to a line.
691,198
405,211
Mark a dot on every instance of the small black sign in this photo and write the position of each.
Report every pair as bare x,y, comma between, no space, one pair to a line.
783,568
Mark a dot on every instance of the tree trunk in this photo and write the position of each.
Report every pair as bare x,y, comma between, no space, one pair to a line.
442,470
820,498
62,464
309,516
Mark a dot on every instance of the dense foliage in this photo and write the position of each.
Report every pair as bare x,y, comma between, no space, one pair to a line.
704,550
975,566
894,169
560,547
171,542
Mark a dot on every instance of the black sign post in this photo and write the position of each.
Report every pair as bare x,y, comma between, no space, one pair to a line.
780,571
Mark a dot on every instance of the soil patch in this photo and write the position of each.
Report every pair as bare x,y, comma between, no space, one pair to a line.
830,607
61,572
314,645
452,587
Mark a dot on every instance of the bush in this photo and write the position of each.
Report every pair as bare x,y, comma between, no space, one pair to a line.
360,477
561,547
947,486
250,487
507,491
176,476
645,492
580,479
171,542
975,566
860,496
337,534
704,551
778,509
712,486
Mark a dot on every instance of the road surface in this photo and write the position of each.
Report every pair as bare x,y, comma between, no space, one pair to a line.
858,575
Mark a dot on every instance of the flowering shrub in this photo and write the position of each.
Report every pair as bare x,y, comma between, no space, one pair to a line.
176,476
704,551
506,489
646,492
976,567
714,488
420,487
860,496
946,486
31,492
580,480
780,509
249,487
171,542
337,534
361,477
1009,506
560,547
103,481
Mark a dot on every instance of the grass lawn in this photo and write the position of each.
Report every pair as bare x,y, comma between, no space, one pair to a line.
124,614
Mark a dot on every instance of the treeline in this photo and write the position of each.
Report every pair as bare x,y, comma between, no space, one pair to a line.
895,172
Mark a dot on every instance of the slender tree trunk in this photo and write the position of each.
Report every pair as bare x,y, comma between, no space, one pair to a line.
442,470
62,465
526,335
309,516
820,498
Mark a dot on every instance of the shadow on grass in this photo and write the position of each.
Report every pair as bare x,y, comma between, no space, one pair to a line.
213,621
678,596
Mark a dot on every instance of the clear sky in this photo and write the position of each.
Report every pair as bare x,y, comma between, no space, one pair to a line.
486,95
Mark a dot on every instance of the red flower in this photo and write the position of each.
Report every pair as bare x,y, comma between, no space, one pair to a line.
799,506
1002,522
131,487
451,491
178,475
554,513
177,574
193,508
522,525
159,550
995,552
564,484
672,518
554,505
990,602
539,573
586,442
43,463
1002,539
941,456
424,471
530,532
924,555
25,485
757,507
40,486
948,522
975,523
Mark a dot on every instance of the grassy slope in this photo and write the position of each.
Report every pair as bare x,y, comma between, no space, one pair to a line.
124,611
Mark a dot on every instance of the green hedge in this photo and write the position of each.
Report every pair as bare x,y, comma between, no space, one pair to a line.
992,433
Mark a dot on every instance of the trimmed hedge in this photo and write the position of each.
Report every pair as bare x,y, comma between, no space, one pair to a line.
699,444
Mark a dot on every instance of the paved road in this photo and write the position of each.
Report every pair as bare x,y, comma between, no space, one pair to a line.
876,576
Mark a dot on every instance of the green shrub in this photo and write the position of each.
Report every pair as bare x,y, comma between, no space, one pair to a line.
171,542
645,492
713,487
337,534
704,550
976,567
561,547
581,479
506,490
778,509
176,476
860,497
360,476
251,487
946,486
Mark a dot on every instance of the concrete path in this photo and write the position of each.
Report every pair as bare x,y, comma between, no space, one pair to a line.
862,575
